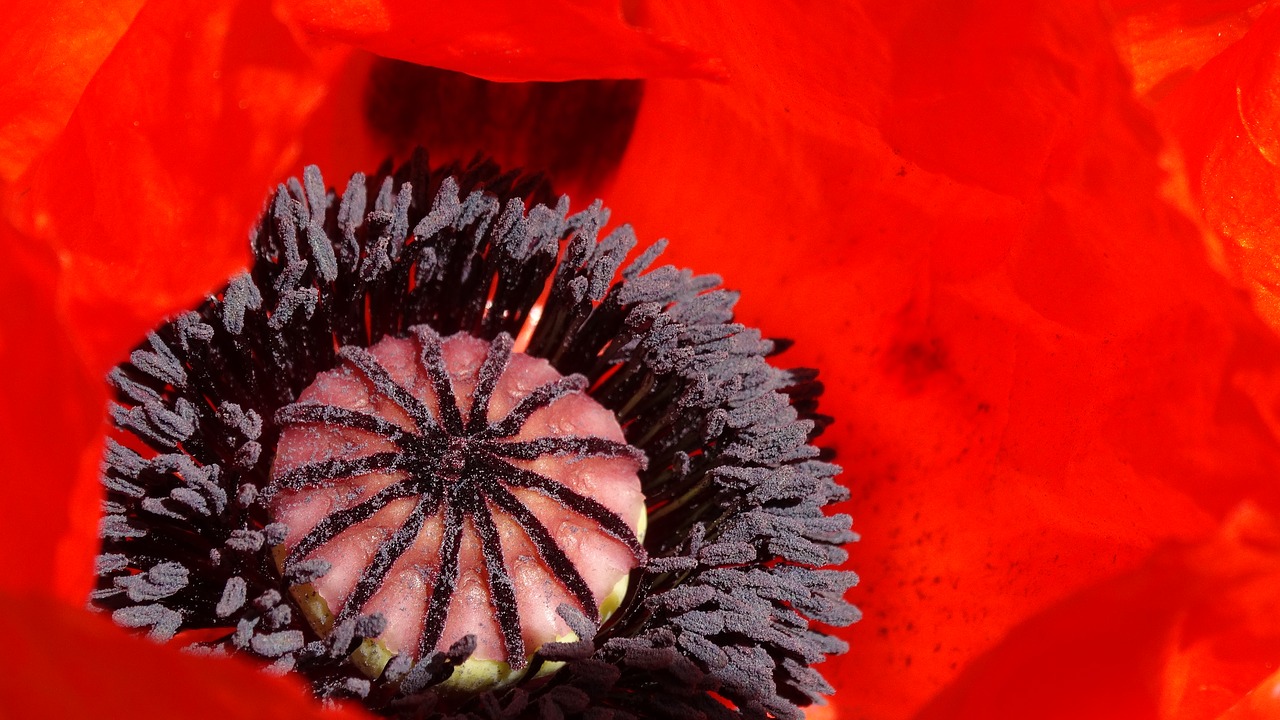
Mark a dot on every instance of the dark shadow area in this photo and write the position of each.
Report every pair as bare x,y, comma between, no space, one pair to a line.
574,131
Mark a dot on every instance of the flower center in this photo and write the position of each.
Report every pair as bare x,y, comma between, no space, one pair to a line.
304,472
457,488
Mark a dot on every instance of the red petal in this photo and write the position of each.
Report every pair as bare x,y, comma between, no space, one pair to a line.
48,53
1184,635
66,663
1164,42
52,407
148,194
498,40
1232,152
1220,109
960,215
1256,85
1262,703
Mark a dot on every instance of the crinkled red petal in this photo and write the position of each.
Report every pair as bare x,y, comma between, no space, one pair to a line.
1163,42
48,53
52,408
1261,703
1184,635
1210,74
498,40
147,195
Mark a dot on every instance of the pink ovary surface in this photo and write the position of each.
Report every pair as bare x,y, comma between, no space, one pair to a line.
404,596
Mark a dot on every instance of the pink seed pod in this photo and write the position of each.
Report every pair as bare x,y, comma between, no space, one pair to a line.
532,470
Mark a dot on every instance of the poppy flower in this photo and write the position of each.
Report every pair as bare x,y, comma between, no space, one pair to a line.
1055,412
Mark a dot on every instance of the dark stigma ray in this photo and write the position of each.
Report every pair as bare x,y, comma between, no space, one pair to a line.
389,388
375,573
578,445
314,473
502,593
335,523
548,549
495,364
432,359
542,397
446,579
303,413
587,507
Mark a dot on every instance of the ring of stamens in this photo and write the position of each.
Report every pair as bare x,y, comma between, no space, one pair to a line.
722,619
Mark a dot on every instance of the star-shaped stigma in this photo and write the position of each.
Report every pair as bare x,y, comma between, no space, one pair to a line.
465,470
